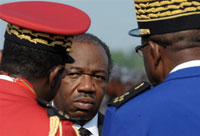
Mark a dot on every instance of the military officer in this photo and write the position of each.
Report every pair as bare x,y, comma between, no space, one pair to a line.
170,32
38,40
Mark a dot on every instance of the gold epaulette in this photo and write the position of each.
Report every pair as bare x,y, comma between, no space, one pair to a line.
118,101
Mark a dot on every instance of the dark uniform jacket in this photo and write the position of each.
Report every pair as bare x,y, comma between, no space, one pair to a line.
169,109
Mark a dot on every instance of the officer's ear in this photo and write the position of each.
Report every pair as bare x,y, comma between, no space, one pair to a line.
1,51
156,53
160,63
56,74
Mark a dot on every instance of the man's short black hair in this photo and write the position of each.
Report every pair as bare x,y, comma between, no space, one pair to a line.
179,40
90,38
29,63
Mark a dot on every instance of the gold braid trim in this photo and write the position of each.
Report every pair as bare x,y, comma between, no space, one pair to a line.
151,3
64,114
60,126
54,124
76,131
40,38
150,10
170,17
160,9
120,98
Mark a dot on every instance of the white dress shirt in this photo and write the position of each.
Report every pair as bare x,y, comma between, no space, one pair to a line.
193,63
92,126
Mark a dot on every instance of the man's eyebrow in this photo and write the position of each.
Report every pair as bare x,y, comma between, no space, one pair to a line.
76,68
94,71
100,71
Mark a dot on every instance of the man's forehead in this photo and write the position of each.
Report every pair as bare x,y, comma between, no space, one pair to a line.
86,69
89,58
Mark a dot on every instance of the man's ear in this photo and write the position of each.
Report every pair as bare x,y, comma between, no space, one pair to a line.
155,52
1,51
55,73
55,76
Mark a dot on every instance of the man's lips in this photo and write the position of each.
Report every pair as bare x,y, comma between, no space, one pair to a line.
84,103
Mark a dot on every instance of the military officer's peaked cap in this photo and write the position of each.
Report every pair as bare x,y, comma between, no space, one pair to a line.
44,25
166,16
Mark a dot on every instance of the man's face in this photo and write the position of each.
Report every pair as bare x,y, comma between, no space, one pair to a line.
82,90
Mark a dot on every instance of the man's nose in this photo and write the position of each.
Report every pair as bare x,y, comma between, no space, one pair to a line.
86,84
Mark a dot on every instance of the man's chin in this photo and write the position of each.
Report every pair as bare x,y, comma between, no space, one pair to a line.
81,120
81,116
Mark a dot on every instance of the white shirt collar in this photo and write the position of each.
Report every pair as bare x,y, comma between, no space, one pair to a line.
5,77
187,64
92,126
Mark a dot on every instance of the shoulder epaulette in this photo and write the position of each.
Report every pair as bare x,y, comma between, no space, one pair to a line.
126,96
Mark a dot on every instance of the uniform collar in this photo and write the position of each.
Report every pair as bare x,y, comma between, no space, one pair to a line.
193,63
20,81
184,73
5,77
92,125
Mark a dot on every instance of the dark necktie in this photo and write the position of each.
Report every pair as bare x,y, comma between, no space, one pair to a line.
84,132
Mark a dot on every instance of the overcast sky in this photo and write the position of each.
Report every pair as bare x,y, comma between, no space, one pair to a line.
111,21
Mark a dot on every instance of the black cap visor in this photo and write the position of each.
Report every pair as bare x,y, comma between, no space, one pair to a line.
137,33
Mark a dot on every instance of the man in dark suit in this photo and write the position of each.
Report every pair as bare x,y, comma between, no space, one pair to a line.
170,32
83,88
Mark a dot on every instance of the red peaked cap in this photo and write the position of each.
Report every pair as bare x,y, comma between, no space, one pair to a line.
44,18
47,17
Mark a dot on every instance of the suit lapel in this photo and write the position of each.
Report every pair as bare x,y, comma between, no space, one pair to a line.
100,123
